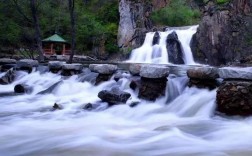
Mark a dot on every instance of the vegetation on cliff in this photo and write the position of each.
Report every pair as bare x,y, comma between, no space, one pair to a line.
178,13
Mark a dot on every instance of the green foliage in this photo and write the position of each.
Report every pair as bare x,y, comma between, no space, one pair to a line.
222,1
95,20
176,14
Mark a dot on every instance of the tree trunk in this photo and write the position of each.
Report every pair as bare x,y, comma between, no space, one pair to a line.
37,30
73,33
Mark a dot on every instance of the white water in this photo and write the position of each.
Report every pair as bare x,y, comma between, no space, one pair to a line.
157,53
186,126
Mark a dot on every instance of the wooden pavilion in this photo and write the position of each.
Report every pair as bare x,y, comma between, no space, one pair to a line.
56,45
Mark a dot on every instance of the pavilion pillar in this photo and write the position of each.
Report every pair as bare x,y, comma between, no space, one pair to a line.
64,49
51,49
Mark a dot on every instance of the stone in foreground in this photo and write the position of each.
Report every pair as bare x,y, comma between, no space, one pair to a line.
73,66
154,71
134,69
113,97
203,77
203,73
8,77
236,73
235,98
4,61
151,89
103,68
55,65
27,63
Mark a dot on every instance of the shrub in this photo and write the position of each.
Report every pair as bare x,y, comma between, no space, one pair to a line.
176,14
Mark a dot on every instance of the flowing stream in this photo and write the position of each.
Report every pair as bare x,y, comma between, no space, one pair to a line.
182,123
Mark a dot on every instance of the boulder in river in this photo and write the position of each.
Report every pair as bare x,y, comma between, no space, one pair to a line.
203,77
134,69
114,96
153,81
22,88
7,67
151,89
4,61
71,69
57,107
156,38
236,73
103,68
8,77
55,66
27,64
235,98
154,71
174,49
203,73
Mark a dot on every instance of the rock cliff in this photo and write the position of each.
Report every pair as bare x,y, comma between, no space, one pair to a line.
135,21
224,35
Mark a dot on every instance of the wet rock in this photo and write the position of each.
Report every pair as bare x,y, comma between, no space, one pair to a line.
134,69
27,64
55,66
118,76
203,83
8,77
135,83
103,68
174,48
151,89
73,66
50,89
7,67
156,38
134,23
71,69
236,73
203,77
224,32
88,106
234,98
22,88
89,77
203,73
154,71
114,96
57,107
134,104
102,78
4,61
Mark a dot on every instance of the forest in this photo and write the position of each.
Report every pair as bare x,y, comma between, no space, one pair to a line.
96,23
95,20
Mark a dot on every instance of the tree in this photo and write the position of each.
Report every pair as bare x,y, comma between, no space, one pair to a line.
37,29
73,31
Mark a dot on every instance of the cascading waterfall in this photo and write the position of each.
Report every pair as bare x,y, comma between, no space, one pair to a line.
179,124
147,53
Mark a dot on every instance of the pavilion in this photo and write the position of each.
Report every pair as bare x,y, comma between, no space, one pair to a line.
56,45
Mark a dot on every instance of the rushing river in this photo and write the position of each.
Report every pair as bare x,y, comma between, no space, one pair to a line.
183,123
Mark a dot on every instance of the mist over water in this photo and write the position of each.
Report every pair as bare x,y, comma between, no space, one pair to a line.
182,123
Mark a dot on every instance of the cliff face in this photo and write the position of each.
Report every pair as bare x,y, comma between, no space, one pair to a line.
135,21
224,35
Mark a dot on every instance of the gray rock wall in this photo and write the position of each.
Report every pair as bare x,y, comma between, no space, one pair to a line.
224,33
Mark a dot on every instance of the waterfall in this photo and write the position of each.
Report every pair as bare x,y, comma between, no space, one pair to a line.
158,53
182,123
